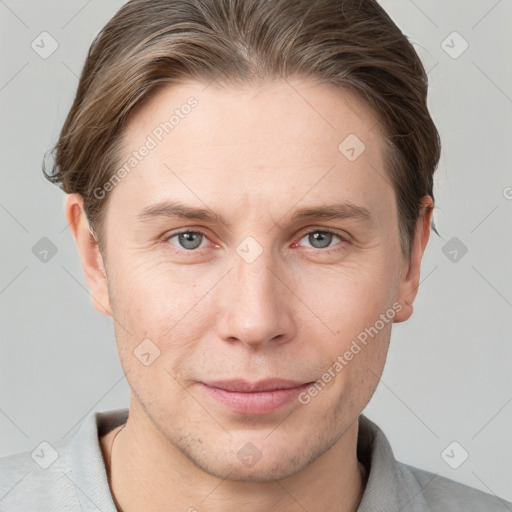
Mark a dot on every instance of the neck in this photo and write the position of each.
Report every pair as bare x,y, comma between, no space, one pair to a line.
148,473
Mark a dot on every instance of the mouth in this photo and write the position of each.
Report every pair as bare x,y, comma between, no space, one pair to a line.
254,398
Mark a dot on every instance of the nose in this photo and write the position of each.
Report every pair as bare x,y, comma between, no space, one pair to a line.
256,307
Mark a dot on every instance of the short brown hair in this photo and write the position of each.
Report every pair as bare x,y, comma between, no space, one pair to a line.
350,44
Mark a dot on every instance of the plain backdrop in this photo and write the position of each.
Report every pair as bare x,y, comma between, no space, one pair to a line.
447,378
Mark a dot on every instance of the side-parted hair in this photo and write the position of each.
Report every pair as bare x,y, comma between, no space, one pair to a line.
349,44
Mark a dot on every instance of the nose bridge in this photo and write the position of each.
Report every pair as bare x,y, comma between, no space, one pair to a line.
255,309
256,284
256,280
254,262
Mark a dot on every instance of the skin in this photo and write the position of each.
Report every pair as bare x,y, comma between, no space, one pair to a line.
254,156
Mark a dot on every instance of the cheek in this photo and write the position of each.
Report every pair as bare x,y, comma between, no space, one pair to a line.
148,291
174,307
348,300
160,311
355,309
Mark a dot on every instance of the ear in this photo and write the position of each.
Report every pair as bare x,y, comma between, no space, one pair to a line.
90,256
410,279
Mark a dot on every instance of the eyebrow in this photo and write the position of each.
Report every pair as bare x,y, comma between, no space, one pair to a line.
175,209
331,212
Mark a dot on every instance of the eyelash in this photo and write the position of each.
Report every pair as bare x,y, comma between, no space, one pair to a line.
168,237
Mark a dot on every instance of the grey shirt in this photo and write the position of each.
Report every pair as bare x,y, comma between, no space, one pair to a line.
70,476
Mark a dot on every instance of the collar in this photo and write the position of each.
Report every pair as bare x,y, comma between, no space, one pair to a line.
391,486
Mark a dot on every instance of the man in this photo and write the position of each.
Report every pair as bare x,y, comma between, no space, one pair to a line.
250,189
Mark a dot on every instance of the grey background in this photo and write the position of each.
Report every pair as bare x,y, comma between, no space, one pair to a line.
448,373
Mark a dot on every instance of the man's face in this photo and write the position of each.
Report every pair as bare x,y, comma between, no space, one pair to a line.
261,295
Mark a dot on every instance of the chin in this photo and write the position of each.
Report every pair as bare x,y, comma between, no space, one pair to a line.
262,472
249,464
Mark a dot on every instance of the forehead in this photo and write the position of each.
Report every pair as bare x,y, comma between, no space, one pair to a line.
306,109
252,143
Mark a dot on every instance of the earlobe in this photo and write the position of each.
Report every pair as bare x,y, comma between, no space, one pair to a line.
90,255
410,279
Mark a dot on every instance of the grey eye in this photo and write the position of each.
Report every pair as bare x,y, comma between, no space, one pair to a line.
320,239
188,240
